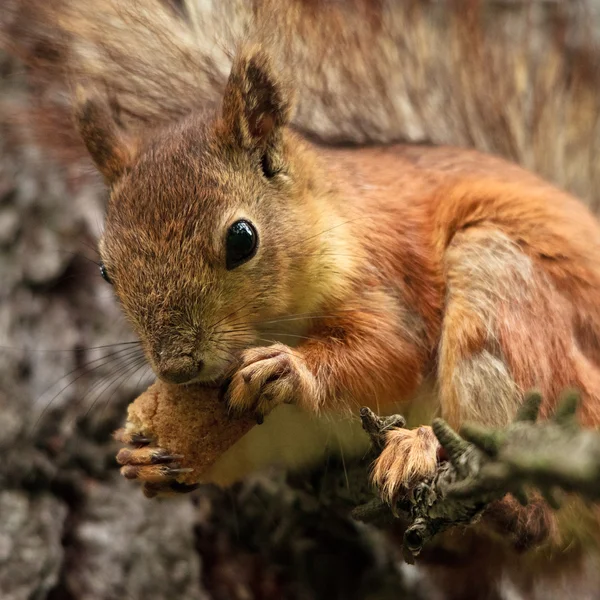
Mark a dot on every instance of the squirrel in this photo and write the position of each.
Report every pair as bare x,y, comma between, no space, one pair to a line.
244,249
518,79
331,278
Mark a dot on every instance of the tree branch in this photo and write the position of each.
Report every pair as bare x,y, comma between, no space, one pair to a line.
485,464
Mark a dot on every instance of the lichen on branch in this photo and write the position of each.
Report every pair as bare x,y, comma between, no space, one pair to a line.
484,464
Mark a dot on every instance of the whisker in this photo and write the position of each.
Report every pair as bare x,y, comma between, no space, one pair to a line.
233,312
309,315
92,247
129,372
144,367
343,461
138,385
74,349
234,332
327,230
235,323
234,343
242,316
233,327
79,255
238,335
114,356
239,345
225,351
301,337
285,319
100,386
104,383
338,255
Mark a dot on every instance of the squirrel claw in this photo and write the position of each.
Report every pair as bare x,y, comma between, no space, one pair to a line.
131,437
267,377
146,456
152,473
157,468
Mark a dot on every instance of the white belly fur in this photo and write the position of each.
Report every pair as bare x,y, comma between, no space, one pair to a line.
289,438
294,439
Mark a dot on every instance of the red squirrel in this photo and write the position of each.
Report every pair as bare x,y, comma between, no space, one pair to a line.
332,277
335,278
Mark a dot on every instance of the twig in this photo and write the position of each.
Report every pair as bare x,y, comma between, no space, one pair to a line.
486,463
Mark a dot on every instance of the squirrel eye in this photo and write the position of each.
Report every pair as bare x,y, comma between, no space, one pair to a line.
241,243
104,274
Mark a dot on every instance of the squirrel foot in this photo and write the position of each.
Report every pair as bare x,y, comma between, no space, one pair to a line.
155,467
408,457
269,376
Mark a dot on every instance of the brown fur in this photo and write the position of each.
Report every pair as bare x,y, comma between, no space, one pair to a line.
109,149
517,79
411,452
382,267
376,270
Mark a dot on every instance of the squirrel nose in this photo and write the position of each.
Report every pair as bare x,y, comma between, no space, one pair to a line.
180,369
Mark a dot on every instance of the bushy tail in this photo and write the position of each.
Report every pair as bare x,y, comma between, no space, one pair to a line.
519,78
144,53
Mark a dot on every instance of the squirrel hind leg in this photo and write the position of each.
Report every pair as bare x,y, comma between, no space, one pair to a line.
506,330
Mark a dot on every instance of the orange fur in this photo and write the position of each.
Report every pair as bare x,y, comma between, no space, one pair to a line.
377,269
409,454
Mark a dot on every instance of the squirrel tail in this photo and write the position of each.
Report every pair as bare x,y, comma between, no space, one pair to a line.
156,59
521,81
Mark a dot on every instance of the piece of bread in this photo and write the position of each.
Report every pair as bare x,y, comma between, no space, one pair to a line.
189,421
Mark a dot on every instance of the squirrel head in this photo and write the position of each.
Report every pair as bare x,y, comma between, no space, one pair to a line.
214,224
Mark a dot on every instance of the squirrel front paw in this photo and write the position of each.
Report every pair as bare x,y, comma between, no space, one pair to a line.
269,376
155,467
409,457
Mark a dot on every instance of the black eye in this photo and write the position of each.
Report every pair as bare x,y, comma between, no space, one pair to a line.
104,274
241,243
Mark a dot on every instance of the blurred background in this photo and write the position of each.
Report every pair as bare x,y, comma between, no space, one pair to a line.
71,527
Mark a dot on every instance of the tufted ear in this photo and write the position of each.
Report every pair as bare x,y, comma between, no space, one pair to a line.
257,105
111,149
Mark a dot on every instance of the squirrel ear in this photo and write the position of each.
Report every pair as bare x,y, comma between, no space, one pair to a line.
110,148
257,102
